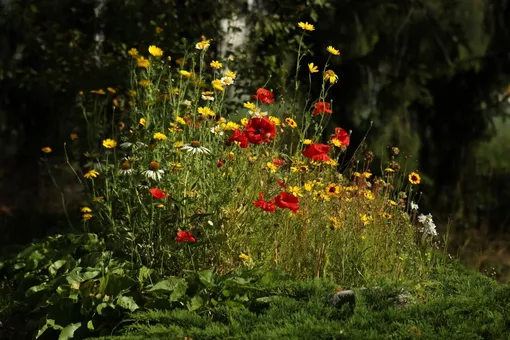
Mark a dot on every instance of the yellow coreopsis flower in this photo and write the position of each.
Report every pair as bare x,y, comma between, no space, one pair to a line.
333,50
143,122
159,136
91,174
142,62
133,52
271,167
216,64
313,68
306,26
155,51
331,76
86,210
250,106
109,143
414,178
230,74
291,122
217,85
295,190
185,73
206,111
276,121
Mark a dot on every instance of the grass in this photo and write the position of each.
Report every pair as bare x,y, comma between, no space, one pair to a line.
453,304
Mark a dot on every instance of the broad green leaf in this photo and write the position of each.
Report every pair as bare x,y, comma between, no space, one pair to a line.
32,290
90,275
206,277
90,325
127,302
102,306
49,323
68,331
169,284
196,303
55,266
179,291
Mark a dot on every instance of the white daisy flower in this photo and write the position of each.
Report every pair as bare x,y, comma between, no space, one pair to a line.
194,147
154,172
227,81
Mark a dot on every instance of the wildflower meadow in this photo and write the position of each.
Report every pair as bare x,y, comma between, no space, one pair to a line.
185,185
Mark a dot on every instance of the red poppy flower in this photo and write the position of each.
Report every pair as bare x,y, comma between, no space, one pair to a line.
342,136
287,200
264,205
322,107
264,96
240,137
220,164
157,193
260,130
185,236
278,162
317,152
282,184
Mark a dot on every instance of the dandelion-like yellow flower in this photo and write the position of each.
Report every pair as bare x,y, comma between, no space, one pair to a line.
271,167
250,106
333,50
216,64
203,45
180,120
155,51
217,85
91,174
295,190
230,74
276,121
306,26
206,111
291,122
87,217
313,68
142,62
331,76
229,126
143,121
309,185
109,143
86,210
185,73
160,136
414,178
307,142
133,52
46,149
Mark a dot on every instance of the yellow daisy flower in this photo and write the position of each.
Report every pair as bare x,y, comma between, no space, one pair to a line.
109,143
313,68
306,26
333,50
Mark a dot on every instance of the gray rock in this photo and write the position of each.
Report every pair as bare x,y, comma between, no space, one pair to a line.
344,297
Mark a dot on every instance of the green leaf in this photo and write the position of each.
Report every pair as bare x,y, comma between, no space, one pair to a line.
68,332
90,325
144,274
196,303
169,284
90,275
49,323
179,291
206,277
34,289
55,266
127,302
